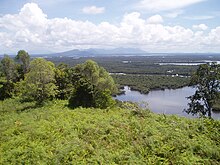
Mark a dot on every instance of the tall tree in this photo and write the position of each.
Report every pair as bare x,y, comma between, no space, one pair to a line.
24,58
82,95
96,75
1,72
39,81
207,80
9,68
63,82
93,86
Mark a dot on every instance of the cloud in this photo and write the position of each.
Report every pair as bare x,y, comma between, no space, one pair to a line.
165,5
33,31
156,19
201,17
47,3
93,10
200,27
174,14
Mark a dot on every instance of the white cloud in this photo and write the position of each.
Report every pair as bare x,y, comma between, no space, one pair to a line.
156,19
93,10
31,30
200,17
164,5
200,27
133,19
214,37
174,14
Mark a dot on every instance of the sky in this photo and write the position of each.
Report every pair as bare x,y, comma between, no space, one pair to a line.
46,26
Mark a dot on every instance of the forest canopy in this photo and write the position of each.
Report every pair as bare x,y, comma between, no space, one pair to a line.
86,85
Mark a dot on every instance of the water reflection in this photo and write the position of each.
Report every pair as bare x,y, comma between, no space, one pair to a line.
167,101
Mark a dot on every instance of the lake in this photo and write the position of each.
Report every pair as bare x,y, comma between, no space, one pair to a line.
168,101
188,63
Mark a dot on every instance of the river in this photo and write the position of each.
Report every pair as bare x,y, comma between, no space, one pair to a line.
168,101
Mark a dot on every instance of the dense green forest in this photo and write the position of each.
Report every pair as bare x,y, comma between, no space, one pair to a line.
138,64
142,73
86,85
56,134
145,83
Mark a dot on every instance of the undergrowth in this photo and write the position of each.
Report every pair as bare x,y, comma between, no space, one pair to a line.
55,134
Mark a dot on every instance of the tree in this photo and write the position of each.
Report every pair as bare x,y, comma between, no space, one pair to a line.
82,95
207,86
9,70
7,90
39,84
1,72
63,83
103,99
93,86
24,58
96,75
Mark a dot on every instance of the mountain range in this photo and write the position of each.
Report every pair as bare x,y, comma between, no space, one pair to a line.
100,52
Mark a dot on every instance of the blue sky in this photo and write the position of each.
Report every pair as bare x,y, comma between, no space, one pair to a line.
42,26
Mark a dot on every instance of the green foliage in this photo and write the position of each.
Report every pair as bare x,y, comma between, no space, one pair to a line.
1,71
39,82
140,64
93,86
24,58
96,75
63,81
9,68
103,99
83,95
6,90
207,83
145,83
55,134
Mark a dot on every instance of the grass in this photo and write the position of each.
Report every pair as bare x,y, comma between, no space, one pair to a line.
55,134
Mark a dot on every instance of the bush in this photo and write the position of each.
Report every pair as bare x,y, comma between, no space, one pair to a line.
103,99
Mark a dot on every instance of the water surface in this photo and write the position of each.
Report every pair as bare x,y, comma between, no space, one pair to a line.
168,101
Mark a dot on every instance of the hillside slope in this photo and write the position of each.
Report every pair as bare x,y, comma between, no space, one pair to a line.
55,134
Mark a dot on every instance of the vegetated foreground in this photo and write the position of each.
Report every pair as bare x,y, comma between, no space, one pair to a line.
55,134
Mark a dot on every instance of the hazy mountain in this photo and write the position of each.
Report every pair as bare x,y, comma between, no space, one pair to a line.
117,51
100,52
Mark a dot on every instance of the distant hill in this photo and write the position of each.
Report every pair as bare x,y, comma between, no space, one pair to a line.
100,52
117,51
111,52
